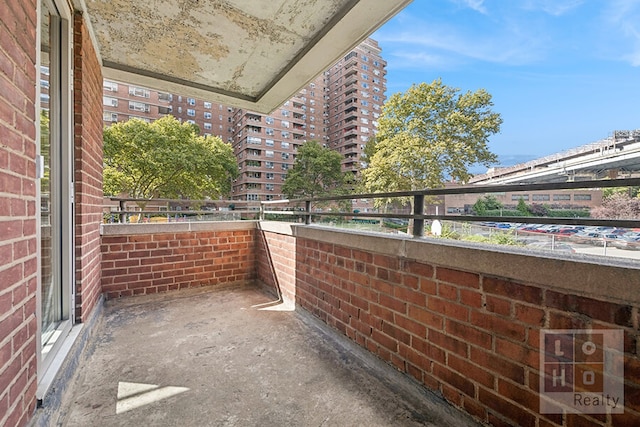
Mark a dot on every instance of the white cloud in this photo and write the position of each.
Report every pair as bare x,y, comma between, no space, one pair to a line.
441,46
477,5
553,7
623,18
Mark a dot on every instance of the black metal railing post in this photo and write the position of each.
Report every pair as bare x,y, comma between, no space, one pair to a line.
307,207
123,215
418,209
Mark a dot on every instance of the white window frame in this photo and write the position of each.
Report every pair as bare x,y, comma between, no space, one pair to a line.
50,360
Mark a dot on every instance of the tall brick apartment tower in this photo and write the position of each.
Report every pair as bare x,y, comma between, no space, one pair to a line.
354,93
340,109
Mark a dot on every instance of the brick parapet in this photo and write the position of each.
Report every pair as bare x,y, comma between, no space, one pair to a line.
164,257
87,99
453,324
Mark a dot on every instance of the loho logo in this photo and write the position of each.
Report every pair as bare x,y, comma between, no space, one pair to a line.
581,371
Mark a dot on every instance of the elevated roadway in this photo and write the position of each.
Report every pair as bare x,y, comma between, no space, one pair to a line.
615,157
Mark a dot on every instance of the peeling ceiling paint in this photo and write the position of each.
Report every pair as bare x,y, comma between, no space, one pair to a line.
234,48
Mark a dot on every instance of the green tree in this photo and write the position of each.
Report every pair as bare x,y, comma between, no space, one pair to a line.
429,134
630,191
523,208
165,159
486,203
316,172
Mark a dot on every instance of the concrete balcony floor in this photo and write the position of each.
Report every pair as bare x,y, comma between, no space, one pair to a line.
235,357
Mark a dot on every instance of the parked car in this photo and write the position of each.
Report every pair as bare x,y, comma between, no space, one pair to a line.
587,238
627,242
608,238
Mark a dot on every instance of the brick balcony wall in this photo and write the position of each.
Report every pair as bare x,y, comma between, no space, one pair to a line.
18,232
142,259
87,119
464,322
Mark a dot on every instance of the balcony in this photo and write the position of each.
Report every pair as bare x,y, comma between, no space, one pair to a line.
266,312
236,356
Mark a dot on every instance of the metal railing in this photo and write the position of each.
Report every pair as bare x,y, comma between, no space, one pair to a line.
128,210
418,202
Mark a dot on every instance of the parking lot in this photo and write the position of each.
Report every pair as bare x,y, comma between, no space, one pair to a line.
598,241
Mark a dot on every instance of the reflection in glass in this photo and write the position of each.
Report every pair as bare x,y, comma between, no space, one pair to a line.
51,295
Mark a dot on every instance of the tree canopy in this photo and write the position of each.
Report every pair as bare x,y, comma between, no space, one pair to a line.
166,159
618,205
316,172
486,203
429,134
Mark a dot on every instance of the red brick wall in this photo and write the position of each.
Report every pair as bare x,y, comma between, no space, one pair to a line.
276,262
87,101
473,338
148,263
18,244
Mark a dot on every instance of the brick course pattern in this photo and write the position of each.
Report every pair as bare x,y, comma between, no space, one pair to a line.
87,94
139,264
18,244
275,256
469,337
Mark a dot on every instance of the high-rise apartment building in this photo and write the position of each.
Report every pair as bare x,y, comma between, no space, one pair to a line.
354,93
339,109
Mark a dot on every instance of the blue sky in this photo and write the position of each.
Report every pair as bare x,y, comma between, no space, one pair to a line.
563,73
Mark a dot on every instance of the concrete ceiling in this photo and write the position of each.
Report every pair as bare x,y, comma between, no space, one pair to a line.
253,54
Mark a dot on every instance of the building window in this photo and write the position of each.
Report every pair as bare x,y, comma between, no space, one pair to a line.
285,166
207,105
109,102
109,117
284,144
285,134
207,115
270,175
517,197
268,120
269,142
285,113
558,197
285,156
540,198
269,131
191,112
285,124
582,197
138,91
53,305
110,86
253,197
207,126
269,187
191,101
254,140
139,106
268,153
365,67
269,165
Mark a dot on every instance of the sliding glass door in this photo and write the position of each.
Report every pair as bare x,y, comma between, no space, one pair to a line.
56,190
